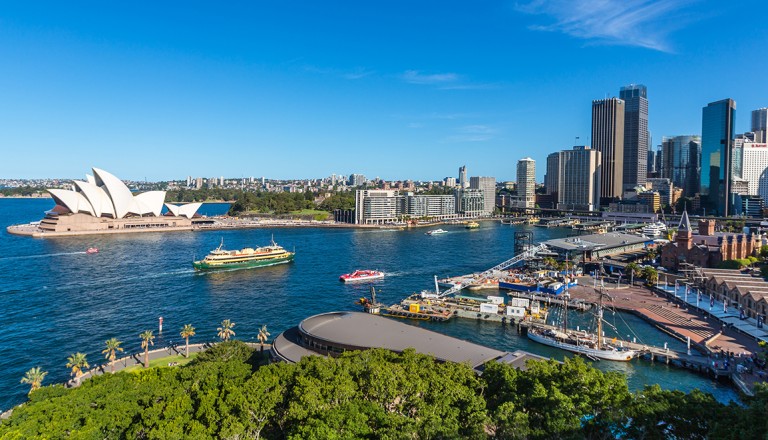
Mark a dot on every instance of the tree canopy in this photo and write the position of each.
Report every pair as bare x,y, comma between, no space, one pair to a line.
227,392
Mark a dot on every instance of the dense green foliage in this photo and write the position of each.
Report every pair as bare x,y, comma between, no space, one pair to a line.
23,191
225,393
737,263
270,202
185,195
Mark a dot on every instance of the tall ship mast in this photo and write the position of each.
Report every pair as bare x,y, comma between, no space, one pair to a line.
582,342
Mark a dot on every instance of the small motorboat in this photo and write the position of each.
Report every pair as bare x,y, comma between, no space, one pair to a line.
92,250
436,232
361,275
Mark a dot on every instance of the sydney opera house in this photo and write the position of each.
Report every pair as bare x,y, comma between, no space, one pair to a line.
102,203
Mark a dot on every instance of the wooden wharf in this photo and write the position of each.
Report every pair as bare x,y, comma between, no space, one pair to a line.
691,360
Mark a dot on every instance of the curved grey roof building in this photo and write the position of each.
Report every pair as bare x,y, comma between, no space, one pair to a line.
330,334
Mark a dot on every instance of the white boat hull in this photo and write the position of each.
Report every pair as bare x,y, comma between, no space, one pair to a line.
611,355
361,279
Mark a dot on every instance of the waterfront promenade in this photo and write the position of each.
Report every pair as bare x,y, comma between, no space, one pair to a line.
704,329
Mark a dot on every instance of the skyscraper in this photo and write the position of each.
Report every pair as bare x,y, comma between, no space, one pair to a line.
682,162
651,163
608,139
636,136
488,186
716,148
553,172
760,124
463,176
579,181
756,167
526,182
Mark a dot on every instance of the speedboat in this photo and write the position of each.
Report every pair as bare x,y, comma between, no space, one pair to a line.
92,250
361,275
436,232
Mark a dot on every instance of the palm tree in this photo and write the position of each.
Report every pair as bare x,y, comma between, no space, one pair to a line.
34,377
77,362
146,340
651,254
187,332
263,335
110,353
225,331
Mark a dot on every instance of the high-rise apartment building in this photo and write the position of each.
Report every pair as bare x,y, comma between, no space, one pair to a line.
553,173
760,124
682,162
470,202
636,136
438,207
450,182
463,182
488,186
356,180
608,139
717,125
377,206
526,183
579,179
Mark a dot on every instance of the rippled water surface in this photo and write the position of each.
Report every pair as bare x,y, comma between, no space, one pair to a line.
56,300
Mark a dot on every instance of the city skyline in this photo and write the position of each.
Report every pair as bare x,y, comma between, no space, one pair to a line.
394,90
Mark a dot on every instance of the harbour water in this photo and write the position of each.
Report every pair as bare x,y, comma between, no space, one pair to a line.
57,300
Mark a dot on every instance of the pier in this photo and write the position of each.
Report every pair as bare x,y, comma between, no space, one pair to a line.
689,359
557,222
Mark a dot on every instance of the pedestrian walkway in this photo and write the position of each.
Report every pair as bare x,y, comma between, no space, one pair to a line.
674,318
729,316
661,307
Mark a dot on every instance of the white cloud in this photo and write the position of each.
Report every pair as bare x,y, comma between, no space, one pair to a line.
416,77
643,23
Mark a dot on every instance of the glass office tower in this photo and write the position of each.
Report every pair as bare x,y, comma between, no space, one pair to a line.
682,162
716,149
636,135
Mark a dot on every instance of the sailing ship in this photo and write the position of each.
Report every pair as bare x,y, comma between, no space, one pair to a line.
591,345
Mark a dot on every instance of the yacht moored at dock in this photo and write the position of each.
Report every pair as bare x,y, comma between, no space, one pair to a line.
245,258
654,229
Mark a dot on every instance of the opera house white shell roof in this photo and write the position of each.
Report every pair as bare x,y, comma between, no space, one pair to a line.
104,195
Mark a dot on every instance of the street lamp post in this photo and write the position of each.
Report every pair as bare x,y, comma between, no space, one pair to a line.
676,281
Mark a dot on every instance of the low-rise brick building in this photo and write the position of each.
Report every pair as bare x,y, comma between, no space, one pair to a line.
707,248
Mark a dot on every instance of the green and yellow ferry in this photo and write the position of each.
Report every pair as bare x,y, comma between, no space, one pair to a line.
244,258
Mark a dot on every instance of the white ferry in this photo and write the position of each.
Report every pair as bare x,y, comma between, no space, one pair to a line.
654,229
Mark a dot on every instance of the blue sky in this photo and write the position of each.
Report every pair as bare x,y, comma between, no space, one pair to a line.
396,89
